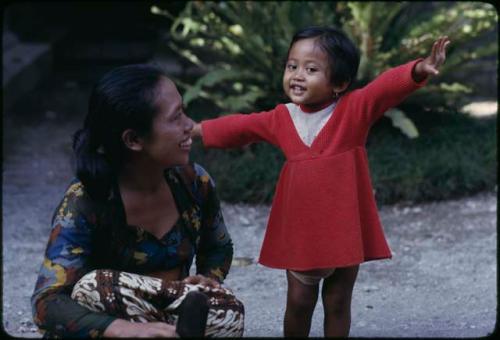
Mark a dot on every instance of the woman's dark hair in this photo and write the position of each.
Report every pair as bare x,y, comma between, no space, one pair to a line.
343,56
124,98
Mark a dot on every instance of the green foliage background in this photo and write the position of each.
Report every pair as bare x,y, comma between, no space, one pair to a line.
239,48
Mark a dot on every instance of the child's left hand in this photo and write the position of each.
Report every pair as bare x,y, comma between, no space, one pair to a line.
429,66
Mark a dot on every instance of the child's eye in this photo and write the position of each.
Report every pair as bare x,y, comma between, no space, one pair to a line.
311,69
291,67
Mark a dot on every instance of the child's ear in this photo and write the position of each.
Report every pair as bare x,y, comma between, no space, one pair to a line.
341,88
132,140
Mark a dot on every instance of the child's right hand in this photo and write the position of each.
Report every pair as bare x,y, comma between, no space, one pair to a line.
196,132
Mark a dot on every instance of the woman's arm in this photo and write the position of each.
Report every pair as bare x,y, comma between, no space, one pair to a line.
66,261
125,329
215,251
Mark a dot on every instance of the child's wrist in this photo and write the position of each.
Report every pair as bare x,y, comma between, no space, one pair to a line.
196,132
417,72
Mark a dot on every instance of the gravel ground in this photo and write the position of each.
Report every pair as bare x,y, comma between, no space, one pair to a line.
441,282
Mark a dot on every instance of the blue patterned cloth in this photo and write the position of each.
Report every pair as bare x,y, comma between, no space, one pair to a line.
88,235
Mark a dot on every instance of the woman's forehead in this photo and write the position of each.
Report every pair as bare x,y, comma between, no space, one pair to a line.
167,88
167,95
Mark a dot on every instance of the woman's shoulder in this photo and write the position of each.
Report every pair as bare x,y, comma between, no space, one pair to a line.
75,190
195,179
76,198
193,174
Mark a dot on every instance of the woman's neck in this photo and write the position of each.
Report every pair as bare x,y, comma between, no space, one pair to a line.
137,176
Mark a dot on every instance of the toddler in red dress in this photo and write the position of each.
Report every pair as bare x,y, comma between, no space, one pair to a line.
324,221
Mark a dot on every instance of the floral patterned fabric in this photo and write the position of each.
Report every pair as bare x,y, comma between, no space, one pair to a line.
88,235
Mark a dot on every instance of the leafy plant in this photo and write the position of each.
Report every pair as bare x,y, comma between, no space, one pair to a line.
240,46
394,33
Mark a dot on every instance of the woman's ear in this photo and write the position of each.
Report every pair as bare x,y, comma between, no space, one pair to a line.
132,140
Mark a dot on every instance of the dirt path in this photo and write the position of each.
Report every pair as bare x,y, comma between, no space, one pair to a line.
440,283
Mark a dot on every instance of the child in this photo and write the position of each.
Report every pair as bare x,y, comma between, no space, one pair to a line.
324,221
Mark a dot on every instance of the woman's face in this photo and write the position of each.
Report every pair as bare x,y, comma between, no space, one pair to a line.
169,142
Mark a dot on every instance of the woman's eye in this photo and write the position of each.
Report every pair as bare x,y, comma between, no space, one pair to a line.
176,117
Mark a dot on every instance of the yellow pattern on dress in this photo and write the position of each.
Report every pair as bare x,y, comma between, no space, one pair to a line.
58,270
140,257
77,250
193,217
217,272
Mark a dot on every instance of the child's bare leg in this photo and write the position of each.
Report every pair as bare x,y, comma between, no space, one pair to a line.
300,303
336,294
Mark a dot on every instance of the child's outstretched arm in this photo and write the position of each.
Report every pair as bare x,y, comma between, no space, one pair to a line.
392,86
237,130
430,65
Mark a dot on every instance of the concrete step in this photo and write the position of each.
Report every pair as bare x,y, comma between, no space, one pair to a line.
24,66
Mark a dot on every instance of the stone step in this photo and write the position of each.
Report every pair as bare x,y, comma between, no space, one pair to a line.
24,66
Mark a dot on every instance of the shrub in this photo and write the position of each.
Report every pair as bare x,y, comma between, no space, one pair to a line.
241,45
456,155
240,48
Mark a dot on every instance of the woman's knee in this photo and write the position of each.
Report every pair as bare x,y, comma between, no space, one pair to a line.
226,317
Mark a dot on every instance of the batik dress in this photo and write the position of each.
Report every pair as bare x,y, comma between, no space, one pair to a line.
95,266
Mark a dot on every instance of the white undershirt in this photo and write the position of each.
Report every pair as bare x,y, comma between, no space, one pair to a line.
309,124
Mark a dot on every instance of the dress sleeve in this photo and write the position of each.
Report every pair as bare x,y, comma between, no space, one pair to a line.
238,129
386,91
66,261
215,250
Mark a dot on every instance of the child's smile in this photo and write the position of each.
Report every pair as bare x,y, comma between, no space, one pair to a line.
297,90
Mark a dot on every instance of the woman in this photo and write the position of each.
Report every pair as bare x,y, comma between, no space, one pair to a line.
130,224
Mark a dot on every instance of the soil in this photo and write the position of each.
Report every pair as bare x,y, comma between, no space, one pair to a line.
441,282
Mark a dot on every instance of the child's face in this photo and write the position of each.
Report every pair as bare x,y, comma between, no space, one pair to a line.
306,80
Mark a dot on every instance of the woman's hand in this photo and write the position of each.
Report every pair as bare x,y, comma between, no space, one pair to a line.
430,65
125,329
203,280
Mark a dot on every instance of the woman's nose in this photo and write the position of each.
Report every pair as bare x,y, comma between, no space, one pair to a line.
189,125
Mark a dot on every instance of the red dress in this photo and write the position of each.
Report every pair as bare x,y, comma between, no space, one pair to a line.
323,213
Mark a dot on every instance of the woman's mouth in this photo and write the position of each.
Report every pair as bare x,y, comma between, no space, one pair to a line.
186,144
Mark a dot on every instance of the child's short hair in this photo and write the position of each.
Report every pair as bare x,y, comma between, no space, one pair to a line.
343,56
